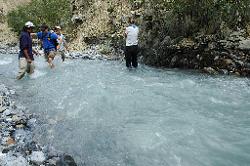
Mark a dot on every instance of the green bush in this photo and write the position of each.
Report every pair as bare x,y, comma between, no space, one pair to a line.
51,12
186,17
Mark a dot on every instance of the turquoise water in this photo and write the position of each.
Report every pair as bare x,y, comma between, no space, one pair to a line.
106,115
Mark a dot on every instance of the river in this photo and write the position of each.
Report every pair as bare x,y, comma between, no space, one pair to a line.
105,115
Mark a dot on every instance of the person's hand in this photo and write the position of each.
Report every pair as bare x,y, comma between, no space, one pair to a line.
37,53
29,60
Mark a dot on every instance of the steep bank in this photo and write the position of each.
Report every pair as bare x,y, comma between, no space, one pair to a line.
100,20
209,53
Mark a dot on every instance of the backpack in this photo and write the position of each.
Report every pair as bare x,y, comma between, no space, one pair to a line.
53,41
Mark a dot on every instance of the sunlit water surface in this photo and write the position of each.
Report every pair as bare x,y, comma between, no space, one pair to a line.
106,115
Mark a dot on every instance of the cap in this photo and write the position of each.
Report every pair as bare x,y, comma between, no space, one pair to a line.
58,27
29,24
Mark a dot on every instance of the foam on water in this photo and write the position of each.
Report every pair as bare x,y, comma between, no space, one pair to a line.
37,74
6,61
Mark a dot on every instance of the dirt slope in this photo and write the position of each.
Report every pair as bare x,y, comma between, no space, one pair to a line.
6,36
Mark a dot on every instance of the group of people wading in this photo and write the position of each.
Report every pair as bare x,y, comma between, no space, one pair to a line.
54,43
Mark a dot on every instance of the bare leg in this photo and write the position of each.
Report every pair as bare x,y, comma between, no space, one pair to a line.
51,56
51,65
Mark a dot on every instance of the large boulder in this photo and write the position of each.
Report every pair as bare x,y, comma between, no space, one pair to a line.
66,160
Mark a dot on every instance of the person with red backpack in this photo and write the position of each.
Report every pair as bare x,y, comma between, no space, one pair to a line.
49,43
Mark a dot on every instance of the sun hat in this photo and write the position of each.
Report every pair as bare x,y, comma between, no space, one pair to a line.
58,27
29,24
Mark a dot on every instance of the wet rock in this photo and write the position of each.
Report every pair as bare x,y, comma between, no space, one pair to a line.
52,161
66,160
228,63
210,70
2,109
199,52
245,44
11,160
8,112
223,71
37,157
10,141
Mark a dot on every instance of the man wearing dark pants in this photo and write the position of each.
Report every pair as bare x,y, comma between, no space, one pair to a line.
131,34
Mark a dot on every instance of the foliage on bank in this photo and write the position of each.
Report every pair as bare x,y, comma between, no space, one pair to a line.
51,12
186,17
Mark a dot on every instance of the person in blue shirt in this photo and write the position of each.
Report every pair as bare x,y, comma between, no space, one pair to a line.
26,59
48,42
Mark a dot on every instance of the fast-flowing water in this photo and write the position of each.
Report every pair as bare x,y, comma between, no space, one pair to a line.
106,115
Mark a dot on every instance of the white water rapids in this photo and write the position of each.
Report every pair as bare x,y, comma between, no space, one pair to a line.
105,115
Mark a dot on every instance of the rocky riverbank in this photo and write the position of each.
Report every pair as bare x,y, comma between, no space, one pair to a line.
93,52
17,146
209,53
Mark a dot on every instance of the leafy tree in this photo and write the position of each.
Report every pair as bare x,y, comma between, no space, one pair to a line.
51,12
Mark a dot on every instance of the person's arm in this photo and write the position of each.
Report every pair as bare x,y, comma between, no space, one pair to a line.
126,33
25,47
39,35
54,36
26,54
33,35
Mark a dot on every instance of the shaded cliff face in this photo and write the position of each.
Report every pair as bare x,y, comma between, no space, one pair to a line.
6,35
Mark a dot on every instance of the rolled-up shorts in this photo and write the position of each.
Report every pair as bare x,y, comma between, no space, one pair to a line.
50,54
25,67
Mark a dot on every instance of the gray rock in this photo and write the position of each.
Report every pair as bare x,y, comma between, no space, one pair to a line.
245,44
8,112
210,70
66,160
37,157
10,160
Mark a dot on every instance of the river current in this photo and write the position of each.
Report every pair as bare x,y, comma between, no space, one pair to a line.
105,115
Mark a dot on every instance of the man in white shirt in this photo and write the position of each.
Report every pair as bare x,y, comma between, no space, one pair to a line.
131,34
62,47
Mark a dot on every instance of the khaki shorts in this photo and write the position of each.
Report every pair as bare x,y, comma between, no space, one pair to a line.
62,53
50,54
